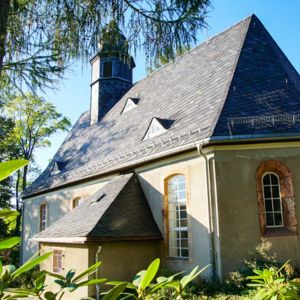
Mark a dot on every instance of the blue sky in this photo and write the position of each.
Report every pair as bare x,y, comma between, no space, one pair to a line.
280,18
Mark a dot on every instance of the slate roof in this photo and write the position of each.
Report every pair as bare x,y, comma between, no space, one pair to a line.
224,88
118,211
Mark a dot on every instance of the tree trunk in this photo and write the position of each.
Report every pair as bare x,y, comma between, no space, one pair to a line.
18,220
4,12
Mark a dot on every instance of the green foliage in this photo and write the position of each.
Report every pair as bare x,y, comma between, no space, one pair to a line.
7,168
35,121
38,39
143,287
272,284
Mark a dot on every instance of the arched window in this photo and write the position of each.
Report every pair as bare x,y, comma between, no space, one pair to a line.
272,200
275,197
76,201
43,217
177,221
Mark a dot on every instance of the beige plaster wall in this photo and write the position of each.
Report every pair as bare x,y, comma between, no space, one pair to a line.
75,257
122,260
152,180
239,231
58,204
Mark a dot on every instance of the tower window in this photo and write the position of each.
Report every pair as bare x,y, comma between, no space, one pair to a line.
107,69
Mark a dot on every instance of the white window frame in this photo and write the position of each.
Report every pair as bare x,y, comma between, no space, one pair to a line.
272,200
154,129
58,269
177,229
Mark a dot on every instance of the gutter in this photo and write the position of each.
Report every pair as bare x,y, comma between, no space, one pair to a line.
210,211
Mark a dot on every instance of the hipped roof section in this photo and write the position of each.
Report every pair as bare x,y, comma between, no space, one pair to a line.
209,92
118,211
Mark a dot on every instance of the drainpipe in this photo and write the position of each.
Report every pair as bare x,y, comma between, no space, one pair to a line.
97,272
210,211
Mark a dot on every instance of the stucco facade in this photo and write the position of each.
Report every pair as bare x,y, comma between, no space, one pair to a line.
235,182
58,204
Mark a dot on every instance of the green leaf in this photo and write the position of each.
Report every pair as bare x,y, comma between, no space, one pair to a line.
31,263
92,282
190,277
129,284
92,269
61,283
20,291
49,296
7,168
149,274
9,242
55,275
70,275
71,287
8,213
115,292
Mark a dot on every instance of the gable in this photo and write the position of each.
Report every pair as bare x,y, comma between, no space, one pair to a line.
130,104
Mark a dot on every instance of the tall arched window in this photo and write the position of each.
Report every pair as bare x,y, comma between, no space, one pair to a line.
272,200
43,216
275,197
177,221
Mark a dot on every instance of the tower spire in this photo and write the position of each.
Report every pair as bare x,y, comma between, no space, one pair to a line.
111,71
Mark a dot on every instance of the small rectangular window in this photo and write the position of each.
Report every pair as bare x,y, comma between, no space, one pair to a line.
57,261
107,69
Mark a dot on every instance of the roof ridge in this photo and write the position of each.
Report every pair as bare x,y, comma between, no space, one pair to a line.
249,19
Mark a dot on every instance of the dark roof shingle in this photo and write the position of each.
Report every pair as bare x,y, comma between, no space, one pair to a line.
118,211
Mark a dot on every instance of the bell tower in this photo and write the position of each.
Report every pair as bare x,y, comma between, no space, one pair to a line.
111,72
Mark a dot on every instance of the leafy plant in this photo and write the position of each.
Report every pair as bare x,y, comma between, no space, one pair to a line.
142,287
272,284
179,286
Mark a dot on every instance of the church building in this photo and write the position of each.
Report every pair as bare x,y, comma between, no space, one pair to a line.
194,164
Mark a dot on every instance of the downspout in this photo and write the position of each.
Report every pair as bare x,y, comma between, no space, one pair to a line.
210,211
97,272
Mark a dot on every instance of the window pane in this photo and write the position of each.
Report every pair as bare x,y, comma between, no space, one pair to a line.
185,253
278,219
267,191
183,223
276,205
275,191
269,219
107,69
266,179
274,179
269,207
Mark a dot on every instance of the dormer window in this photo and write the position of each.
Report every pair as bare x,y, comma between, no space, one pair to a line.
107,69
157,127
130,104
58,166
